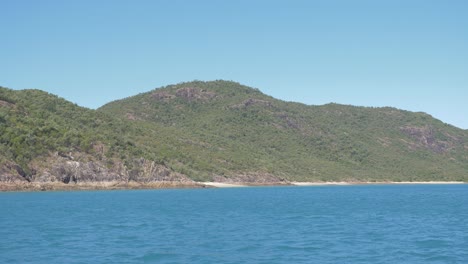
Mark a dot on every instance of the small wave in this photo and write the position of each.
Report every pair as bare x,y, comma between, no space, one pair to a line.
158,256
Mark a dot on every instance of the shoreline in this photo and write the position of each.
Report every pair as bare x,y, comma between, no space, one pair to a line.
90,186
83,186
341,183
223,184
375,183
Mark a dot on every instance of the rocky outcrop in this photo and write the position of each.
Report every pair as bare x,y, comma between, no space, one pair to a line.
12,173
195,94
113,185
6,104
186,93
288,121
76,168
252,102
162,96
426,137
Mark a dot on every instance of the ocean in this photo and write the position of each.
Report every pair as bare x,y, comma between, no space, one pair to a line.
315,224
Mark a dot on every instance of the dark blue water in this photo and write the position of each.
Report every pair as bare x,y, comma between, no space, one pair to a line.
329,224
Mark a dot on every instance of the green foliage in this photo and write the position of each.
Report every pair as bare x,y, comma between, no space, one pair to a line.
35,123
203,129
224,128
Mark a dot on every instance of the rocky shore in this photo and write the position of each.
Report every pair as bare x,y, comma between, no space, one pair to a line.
81,171
60,186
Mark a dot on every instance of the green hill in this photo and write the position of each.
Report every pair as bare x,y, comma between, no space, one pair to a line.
226,130
44,138
221,131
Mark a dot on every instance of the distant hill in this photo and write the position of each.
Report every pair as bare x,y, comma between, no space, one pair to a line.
221,131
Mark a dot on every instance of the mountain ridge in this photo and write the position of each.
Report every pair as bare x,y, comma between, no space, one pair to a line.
221,131
245,106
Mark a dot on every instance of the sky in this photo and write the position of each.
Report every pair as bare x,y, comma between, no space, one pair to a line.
409,54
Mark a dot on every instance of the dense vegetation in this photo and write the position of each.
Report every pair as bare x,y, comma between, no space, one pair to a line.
218,130
224,128
35,124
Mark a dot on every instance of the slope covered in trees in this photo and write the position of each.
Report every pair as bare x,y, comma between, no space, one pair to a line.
224,129
44,138
221,131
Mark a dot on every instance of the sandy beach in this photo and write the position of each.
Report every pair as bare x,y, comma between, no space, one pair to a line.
373,183
231,185
223,185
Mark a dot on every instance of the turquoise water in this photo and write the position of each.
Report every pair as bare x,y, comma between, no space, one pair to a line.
326,224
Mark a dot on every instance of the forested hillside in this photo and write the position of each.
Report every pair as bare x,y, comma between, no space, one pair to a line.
224,129
221,131
44,138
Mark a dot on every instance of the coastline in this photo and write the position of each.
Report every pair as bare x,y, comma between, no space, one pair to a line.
89,186
374,183
115,185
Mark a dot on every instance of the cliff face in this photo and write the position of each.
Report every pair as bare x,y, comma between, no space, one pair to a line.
220,131
56,168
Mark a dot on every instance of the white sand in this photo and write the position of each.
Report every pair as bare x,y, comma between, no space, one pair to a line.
222,185
354,183
232,185
430,182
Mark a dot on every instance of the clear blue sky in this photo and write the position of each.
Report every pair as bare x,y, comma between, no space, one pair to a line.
410,54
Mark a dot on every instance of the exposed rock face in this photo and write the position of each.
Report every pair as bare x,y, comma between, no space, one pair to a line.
11,173
288,122
191,94
425,137
162,96
252,102
62,168
131,116
186,93
6,104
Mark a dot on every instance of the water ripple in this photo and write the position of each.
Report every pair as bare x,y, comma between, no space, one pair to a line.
339,224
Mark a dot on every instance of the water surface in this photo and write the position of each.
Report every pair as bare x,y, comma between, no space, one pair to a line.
318,224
